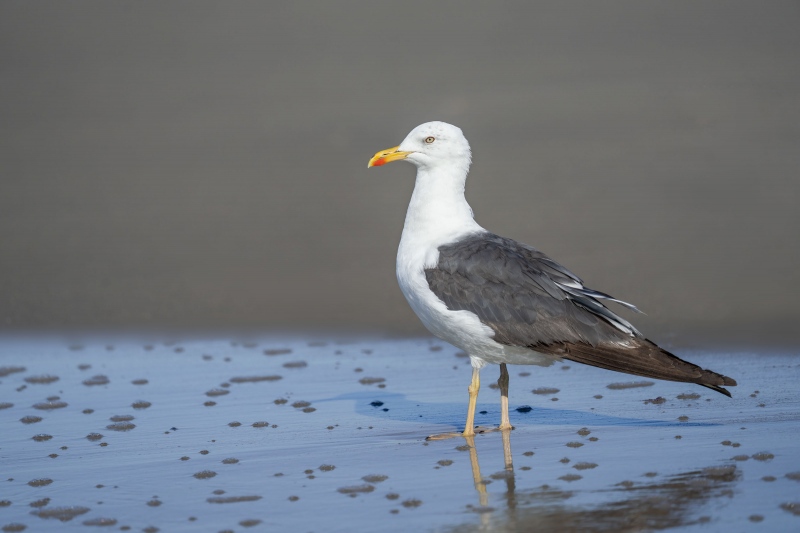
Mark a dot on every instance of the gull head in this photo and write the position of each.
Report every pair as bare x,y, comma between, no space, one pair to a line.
429,145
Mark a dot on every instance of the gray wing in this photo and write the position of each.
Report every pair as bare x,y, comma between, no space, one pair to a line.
532,301
524,296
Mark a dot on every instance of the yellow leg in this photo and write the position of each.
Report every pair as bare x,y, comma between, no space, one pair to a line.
505,422
474,387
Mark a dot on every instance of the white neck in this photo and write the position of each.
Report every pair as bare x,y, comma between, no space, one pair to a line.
438,212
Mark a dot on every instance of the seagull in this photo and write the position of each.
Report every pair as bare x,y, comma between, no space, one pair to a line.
501,301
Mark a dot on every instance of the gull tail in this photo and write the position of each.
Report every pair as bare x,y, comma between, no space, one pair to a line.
641,358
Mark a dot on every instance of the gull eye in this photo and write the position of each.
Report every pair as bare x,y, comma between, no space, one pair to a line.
429,140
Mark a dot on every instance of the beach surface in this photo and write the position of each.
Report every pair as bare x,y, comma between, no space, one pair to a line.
312,434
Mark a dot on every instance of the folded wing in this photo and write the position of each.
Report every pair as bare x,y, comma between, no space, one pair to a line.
529,300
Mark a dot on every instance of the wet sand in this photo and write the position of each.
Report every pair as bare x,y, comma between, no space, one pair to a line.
292,434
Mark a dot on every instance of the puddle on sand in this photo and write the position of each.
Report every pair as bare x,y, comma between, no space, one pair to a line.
233,499
656,401
254,379
50,405
8,370
64,514
630,385
791,507
121,426
356,489
690,396
96,380
101,522
44,379
371,381
278,351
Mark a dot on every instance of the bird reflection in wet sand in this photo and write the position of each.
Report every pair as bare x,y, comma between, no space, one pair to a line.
483,508
671,502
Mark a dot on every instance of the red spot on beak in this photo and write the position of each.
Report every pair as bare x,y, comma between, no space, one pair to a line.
379,162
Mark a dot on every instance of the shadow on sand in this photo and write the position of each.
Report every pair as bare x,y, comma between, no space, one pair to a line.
398,407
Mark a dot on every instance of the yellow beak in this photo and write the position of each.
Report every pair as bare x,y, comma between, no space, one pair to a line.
387,156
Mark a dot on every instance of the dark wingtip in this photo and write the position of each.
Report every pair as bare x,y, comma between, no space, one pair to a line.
717,380
720,389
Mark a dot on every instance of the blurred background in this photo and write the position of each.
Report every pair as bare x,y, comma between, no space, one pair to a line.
202,165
